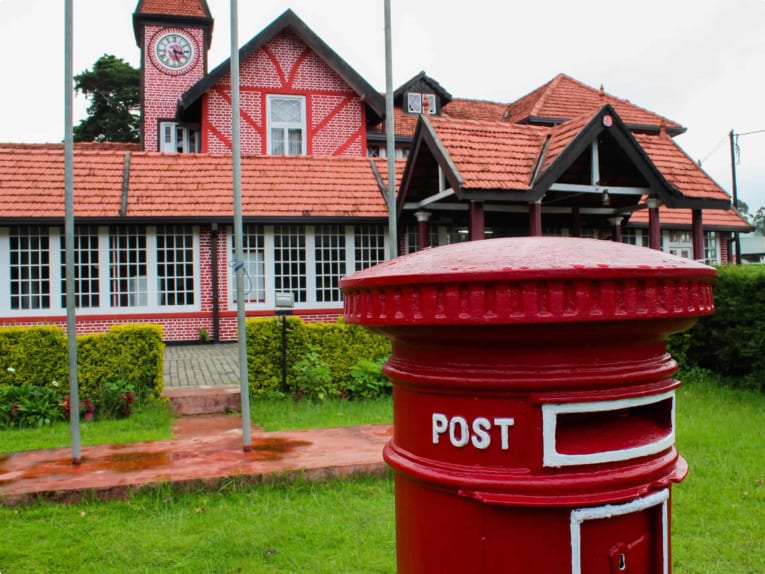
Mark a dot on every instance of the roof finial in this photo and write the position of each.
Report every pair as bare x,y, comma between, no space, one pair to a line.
663,128
602,94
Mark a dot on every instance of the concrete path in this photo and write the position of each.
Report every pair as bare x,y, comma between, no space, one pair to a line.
110,471
207,448
201,366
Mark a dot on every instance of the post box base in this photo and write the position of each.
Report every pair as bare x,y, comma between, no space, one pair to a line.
438,532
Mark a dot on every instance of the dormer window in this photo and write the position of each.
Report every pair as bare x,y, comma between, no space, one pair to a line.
286,125
175,138
417,103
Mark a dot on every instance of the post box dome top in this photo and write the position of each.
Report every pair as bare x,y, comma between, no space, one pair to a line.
528,280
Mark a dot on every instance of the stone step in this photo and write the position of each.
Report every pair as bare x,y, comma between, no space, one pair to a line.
203,400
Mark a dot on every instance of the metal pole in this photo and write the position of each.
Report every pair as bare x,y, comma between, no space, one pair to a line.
284,354
390,140
736,238
236,157
71,320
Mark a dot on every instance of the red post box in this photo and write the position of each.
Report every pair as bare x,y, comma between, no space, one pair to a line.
533,402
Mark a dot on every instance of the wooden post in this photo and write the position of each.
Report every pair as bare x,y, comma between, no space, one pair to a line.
698,235
535,219
616,228
576,222
477,223
423,230
654,226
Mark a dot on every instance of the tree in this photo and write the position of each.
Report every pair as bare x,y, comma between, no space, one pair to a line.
758,220
113,87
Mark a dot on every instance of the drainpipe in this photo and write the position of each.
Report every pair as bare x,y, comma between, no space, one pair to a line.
215,294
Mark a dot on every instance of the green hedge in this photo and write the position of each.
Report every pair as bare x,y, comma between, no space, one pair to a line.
339,345
38,356
732,341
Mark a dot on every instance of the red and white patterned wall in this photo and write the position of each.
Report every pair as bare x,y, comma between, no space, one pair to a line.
334,113
162,89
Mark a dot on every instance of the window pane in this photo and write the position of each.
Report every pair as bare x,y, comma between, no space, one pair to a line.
127,261
86,272
29,272
295,141
175,264
370,245
290,260
330,262
254,263
277,141
286,110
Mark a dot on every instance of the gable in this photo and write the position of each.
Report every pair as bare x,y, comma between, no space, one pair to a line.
287,66
373,101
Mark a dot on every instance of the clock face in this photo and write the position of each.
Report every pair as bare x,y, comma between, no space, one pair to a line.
174,51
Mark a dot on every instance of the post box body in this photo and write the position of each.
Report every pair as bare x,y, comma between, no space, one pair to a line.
534,402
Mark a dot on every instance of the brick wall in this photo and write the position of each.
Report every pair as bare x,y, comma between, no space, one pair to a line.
162,90
335,118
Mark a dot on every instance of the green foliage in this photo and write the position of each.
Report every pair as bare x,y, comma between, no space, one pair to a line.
367,380
131,354
337,345
731,342
32,355
313,377
115,369
113,87
115,400
28,406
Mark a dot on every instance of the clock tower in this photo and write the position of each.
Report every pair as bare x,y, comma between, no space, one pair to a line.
174,37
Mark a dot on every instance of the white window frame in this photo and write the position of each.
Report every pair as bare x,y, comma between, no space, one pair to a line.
176,138
286,126
56,273
311,301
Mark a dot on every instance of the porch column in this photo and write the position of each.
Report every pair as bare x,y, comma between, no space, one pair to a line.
423,230
576,222
616,228
698,235
535,219
654,226
477,223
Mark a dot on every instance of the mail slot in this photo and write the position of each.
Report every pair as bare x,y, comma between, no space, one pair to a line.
533,401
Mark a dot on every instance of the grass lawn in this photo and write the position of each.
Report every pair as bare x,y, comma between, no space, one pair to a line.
279,415
718,512
152,422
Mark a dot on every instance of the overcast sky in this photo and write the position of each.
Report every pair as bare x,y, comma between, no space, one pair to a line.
698,62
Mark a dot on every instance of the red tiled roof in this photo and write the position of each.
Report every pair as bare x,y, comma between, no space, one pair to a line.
403,124
563,97
189,185
479,110
196,8
722,219
491,155
679,169
561,136
78,146
459,109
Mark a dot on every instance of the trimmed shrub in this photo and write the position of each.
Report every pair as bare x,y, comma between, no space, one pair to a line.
130,354
339,346
731,342
115,370
33,355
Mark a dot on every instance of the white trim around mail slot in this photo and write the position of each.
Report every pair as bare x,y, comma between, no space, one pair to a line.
553,458
610,510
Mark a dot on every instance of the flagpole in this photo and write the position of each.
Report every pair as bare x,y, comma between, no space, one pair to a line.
71,320
390,139
236,157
